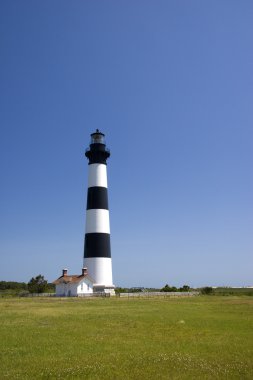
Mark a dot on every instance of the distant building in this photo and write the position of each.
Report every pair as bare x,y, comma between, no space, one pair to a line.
73,285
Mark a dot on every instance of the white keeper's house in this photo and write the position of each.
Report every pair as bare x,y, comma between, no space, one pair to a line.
73,285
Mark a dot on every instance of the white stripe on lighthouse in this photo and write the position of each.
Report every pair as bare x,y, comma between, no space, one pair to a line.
97,220
100,269
97,175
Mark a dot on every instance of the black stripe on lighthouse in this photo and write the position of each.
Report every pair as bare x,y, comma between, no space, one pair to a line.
97,154
97,245
97,198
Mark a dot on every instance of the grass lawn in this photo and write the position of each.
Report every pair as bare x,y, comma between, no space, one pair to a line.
206,337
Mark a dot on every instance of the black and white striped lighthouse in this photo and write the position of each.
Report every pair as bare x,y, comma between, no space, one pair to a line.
97,248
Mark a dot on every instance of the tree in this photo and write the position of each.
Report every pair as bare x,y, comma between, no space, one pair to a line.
207,290
168,288
185,288
37,284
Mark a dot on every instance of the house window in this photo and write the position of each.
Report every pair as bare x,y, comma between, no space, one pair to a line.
82,286
88,286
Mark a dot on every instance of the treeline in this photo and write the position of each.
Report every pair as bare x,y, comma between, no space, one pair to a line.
36,285
129,290
227,291
12,285
167,288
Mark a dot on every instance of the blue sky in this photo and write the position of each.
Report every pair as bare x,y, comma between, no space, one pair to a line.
170,84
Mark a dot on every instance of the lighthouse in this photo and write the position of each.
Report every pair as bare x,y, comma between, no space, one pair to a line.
97,247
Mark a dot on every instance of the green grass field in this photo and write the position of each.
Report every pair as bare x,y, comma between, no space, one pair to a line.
171,338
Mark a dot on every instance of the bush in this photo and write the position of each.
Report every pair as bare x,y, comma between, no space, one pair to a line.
168,288
37,284
12,285
184,288
207,290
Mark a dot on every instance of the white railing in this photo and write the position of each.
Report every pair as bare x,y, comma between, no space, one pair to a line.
38,295
96,294
158,294
122,295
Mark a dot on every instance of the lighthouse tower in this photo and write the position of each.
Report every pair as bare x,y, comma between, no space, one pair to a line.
97,249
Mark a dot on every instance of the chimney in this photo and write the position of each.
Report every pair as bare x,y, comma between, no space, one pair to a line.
84,271
64,272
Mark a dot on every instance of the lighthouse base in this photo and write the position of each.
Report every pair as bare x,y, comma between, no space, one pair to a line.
97,288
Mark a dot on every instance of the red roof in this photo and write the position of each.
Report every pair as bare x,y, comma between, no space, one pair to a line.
73,278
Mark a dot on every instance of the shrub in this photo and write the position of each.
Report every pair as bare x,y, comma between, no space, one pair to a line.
37,284
168,288
207,290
